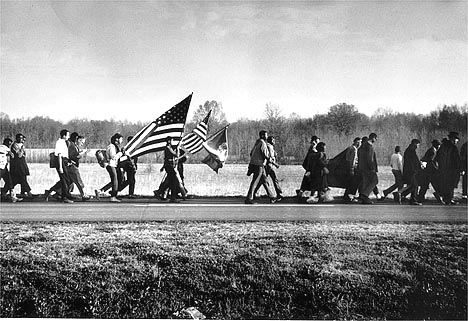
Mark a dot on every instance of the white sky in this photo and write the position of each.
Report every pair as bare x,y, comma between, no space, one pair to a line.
135,59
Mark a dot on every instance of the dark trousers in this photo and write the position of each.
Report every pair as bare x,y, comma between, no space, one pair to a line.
424,180
369,181
130,181
62,187
171,180
411,187
23,181
398,182
5,175
165,185
353,184
258,177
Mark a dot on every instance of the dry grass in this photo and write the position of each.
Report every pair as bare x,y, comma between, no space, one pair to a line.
287,270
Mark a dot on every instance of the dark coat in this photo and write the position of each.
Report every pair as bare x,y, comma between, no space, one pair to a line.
18,166
367,160
411,164
318,171
429,157
449,161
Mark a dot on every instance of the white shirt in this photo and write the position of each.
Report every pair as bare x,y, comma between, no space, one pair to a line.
4,150
61,148
396,162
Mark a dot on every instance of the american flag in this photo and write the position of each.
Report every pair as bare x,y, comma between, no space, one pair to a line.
152,138
194,140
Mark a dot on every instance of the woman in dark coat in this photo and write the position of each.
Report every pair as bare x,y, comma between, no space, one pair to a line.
411,168
449,160
19,170
318,171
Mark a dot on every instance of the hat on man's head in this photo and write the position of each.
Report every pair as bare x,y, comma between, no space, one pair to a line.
19,136
435,143
454,135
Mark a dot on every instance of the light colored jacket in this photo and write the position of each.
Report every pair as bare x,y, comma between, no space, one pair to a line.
113,155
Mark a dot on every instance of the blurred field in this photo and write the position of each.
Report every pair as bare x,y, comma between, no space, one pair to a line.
200,180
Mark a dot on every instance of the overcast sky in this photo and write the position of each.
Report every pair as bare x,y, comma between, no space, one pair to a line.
135,59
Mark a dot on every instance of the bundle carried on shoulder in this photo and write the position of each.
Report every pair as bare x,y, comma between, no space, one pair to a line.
101,157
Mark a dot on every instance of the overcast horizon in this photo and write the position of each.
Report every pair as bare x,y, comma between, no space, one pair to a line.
134,60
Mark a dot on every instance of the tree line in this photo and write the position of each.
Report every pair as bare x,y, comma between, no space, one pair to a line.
336,128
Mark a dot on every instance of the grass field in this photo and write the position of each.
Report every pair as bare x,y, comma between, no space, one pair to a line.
287,270
200,180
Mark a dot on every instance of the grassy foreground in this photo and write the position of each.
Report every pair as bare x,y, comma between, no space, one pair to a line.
287,270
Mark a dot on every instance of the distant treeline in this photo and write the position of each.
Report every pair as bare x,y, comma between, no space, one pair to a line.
337,128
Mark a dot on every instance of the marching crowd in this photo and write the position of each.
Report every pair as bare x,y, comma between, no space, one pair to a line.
354,170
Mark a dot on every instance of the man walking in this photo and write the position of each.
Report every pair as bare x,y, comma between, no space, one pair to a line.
449,160
396,163
430,171
270,167
62,162
411,168
367,167
351,162
259,156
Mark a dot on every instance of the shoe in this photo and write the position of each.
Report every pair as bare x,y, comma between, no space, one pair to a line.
174,201
29,194
15,199
132,196
453,202
114,199
415,203
273,200
67,201
97,194
384,196
397,197
367,202
249,201
85,198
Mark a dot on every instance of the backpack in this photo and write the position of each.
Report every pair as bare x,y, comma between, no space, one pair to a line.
101,157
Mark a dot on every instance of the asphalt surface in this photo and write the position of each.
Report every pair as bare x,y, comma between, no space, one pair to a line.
227,209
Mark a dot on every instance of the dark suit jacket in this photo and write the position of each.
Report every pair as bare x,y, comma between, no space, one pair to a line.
367,160
411,164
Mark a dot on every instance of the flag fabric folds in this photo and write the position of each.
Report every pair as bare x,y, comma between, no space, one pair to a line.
193,142
217,148
152,138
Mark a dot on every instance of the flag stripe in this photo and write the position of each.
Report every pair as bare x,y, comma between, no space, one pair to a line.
194,140
152,138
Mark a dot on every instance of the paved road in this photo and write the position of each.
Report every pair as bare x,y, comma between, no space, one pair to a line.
228,210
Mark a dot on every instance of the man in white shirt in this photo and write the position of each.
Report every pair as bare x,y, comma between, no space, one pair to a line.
61,152
396,163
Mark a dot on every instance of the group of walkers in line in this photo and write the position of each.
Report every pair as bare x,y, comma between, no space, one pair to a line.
354,170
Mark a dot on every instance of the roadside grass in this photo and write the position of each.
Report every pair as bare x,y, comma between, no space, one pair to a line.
200,180
234,270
